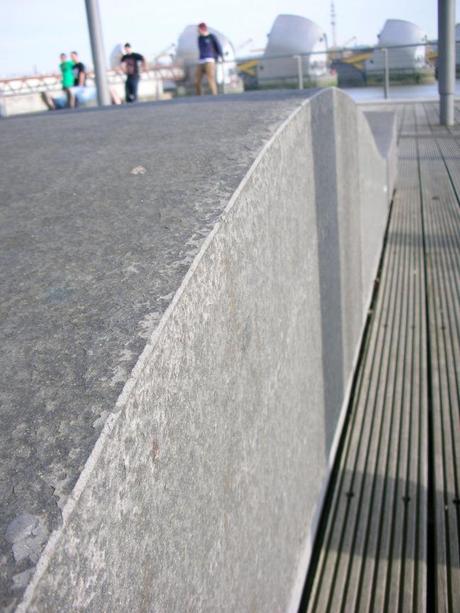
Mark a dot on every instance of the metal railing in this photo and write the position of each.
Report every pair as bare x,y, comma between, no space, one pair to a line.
18,86
345,67
380,66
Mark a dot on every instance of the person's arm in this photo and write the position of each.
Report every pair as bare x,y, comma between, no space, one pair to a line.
122,68
143,63
82,76
217,46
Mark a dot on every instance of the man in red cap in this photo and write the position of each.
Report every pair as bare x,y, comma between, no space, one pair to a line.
210,50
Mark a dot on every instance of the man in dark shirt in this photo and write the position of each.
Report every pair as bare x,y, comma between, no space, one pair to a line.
130,64
209,51
79,71
82,94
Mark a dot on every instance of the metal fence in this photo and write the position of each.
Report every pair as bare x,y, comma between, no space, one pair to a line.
18,86
377,67
346,68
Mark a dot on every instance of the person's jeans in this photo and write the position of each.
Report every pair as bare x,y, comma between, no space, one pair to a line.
132,81
83,94
208,69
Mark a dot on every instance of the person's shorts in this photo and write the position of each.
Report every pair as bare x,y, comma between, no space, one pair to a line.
83,95
60,102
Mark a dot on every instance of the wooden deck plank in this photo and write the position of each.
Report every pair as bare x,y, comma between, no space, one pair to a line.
359,426
450,152
442,223
374,454
415,556
392,406
346,499
404,510
386,584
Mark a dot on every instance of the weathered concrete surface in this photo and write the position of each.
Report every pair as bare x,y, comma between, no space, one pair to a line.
374,206
384,127
353,164
91,257
200,492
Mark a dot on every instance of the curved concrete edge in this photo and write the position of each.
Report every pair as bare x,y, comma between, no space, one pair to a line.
359,183
384,127
219,450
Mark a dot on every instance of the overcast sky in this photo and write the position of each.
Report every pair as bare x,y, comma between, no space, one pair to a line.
34,32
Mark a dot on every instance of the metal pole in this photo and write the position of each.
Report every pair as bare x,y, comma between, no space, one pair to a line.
299,70
386,79
221,83
446,61
97,48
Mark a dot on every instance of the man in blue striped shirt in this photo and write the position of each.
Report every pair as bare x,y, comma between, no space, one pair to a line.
210,50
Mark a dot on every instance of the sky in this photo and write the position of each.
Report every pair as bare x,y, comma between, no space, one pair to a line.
34,32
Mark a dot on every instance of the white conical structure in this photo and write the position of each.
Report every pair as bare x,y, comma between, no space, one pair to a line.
115,56
293,35
397,32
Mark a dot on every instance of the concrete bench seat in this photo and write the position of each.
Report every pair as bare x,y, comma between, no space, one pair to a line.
184,288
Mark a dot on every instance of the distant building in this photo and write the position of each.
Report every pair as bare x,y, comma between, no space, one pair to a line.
187,57
402,60
293,35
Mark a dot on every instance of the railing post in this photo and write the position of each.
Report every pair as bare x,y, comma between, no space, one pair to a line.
386,77
299,70
221,84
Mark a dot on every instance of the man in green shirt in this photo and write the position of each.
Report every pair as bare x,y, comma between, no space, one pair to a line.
66,68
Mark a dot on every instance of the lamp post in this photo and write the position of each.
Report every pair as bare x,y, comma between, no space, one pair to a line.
386,75
446,61
298,58
97,48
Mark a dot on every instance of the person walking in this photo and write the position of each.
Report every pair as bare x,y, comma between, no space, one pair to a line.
130,65
210,51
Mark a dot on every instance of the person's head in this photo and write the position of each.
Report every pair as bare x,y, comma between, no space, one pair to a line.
74,56
127,48
63,57
202,29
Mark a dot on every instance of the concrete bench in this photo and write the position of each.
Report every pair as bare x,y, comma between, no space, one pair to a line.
184,290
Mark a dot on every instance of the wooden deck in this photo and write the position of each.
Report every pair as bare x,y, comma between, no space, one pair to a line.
389,536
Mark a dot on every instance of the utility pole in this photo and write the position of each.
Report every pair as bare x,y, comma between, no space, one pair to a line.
97,48
446,61
333,24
